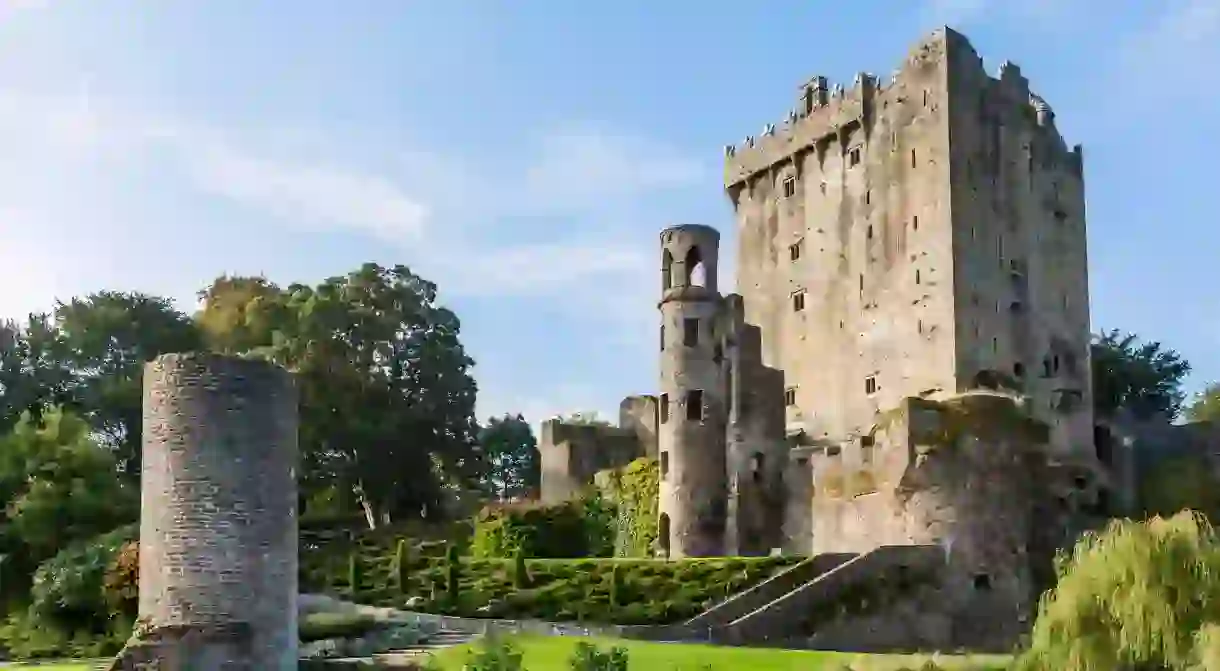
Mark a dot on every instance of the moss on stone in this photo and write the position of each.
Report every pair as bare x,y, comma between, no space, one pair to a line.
987,416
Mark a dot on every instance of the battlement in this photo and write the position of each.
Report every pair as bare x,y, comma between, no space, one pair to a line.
825,114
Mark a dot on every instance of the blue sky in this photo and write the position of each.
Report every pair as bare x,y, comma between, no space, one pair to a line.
523,155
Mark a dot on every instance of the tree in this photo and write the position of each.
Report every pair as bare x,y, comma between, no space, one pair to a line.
1140,595
1186,482
511,455
387,400
104,340
1206,406
31,378
238,313
1143,378
57,486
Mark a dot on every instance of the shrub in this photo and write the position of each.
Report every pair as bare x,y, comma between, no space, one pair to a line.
453,574
121,584
563,530
494,654
587,657
319,626
68,590
402,564
355,578
1138,595
521,573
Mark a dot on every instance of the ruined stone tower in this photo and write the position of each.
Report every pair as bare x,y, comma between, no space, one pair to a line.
218,528
920,236
692,405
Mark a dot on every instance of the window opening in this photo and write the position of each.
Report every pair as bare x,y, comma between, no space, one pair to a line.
690,332
694,404
789,187
870,384
664,464
790,396
664,408
798,301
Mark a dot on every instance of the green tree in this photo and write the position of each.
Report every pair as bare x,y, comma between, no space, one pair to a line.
510,453
1180,483
387,400
1140,595
57,487
239,314
1206,406
31,377
1143,378
105,339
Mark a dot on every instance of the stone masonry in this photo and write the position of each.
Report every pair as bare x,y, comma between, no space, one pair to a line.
218,528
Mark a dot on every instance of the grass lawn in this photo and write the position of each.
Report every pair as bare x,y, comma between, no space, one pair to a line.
552,654
54,666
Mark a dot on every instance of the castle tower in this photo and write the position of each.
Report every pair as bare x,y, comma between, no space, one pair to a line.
218,527
692,408
918,235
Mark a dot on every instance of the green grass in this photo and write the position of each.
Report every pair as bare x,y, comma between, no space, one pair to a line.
552,654
55,666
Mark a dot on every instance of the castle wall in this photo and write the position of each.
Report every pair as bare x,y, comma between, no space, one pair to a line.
962,474
218,527
838,210
757,451
639,414
1022,279
572,454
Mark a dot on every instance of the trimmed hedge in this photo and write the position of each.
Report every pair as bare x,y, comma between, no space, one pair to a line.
644,591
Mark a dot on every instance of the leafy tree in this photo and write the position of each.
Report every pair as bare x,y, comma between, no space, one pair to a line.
387,400
1140,595
57,487
511,456
238,313
1206,406
1144,378
105,339
30,377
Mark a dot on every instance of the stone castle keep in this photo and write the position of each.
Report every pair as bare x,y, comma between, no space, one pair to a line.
909,345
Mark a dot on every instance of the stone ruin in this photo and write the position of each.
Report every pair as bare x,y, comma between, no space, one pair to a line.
218,527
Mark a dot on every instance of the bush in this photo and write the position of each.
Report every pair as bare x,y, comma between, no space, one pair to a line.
587,657
571,529
122,582
318,626
494,654
69,590
1140,595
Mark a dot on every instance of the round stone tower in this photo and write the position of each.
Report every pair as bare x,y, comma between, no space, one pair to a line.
218,528
692,406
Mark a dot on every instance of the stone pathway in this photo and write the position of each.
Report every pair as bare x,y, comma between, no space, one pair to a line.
415,656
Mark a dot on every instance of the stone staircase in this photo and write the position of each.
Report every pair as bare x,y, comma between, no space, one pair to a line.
768,591
414,657
785,616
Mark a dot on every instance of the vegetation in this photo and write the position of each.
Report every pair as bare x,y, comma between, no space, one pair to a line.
633,493
1206,405
1137,596
514,469
559,654
645,591
1142,378
539,531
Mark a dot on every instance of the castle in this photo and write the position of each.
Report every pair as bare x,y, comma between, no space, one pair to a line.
906,361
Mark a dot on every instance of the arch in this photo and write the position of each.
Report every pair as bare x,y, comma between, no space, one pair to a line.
667,264
696,272
663,534
757,466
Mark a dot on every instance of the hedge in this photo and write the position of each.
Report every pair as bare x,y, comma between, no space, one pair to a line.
645,591
577,528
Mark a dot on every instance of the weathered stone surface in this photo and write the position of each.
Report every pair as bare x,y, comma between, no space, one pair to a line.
218,525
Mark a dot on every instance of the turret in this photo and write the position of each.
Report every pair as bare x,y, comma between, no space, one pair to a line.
692,408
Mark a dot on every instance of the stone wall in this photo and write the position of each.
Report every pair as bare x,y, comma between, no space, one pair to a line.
572,454
218,527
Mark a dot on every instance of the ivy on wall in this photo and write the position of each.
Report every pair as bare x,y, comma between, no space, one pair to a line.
635,491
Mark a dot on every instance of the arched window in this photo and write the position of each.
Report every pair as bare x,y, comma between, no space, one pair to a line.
696,273
663,534
667,263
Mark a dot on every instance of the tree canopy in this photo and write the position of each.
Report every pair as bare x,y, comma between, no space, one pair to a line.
1206,406
511,454
1143,378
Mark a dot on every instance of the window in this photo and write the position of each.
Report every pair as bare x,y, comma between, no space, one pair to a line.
665,464
789,187
662,337
1018,370
925,97
790,396
664,408
694,404
861,282
798,301
870,232
982,582
912,158
1055,363
794,250
853,157
690,332
995,345
868,197
870,385
915,222
918,278
757,463
919,327
1046,367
